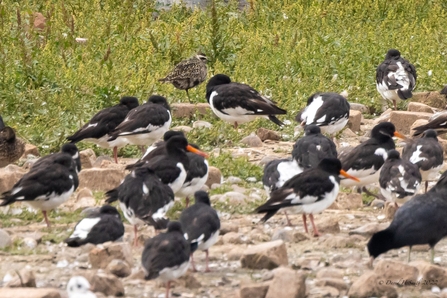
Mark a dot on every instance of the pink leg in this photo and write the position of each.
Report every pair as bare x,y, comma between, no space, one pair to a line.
316,233
46,218
192,263
289,223
395,105
305,223
207,260
135,233
115,154
186,202
168,286
235,125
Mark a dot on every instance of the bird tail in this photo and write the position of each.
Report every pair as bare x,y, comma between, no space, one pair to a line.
74,242
275,120
404,94
7,199
112,196
132,167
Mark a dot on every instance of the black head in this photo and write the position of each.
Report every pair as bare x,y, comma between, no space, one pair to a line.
176,142
65,160
312,129
159,100
330,165
393,154
129,101
108,209
172,133
219,79
175,226
202,197
383,131
202,57
430,133
392,54
2,124
8,134
71,149
380,243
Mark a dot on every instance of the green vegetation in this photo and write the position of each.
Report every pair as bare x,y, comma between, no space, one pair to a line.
50,84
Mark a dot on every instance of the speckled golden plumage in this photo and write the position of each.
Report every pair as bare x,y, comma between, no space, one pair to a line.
188,73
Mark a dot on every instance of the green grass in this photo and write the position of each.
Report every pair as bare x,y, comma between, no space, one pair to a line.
50,84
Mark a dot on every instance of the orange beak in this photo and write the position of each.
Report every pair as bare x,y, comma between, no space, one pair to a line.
343,173
196,151
400,136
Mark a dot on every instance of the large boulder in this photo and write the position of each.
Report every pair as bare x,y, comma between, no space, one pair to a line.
265,256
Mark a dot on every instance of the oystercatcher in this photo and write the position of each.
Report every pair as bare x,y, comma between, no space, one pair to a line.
399,179
46,187
395,78
437,122
172,167
427,154
365,160
188,73
97,130
68,148
312,148
143,198
166,255
310,192
201,225
421,220
239,103
11,147
330,111
145,124
97,228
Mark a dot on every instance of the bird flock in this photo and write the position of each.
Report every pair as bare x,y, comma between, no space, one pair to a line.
306,183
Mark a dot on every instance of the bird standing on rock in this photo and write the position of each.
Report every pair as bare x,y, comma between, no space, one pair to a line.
365,160
11,147
330,111
166,255
46,187
395,78
188,73
309,192
399,179
427,154
97,130
201,225
239,103
422,220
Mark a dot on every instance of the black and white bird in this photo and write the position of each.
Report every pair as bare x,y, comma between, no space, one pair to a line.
395,78
69,149
365,160
437,122
98,129
46,187
97,228
427,154
399,179
172,168
166,255
143,198
330,111
79,287
309,150
239,103
310,192
188,73
421,220
11,147
145,124
278,171
201,225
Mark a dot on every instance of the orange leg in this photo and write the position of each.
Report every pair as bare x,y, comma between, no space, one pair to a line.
46,218
115,154
168,285
192,263
289,223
